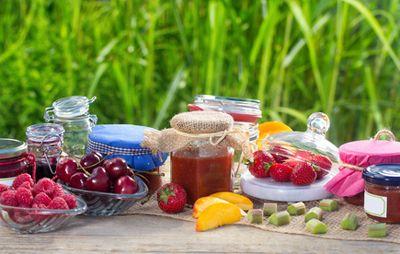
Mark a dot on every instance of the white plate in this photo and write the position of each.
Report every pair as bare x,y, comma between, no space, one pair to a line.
268,189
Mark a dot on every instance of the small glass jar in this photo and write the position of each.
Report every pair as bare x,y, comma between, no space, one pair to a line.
45,141
202,169
14,160
245,112
73,114
382,192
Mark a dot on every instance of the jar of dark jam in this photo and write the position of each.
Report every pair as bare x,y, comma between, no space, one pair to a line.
202,169
382,192
14,160
45,141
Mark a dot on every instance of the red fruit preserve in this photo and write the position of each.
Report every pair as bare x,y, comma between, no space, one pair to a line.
202,169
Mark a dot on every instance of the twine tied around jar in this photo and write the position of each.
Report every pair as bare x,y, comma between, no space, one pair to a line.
216,127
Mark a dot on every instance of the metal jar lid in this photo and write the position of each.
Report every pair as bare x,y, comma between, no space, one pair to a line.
10,148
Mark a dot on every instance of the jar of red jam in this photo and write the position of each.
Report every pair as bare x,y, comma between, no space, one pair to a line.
382,192
14,160
202,145
45,141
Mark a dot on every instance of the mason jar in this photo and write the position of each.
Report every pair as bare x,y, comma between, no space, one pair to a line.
73,114
45,141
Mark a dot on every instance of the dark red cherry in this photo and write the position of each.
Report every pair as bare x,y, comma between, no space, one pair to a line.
78,180
116,167
65,168
91,160
126,185
98,181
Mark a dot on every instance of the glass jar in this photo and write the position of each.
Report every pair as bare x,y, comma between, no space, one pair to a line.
14,160
73,114
245,112
202,169
382,192
45,141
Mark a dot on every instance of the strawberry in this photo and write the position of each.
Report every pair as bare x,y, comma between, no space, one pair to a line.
303,174
279,153
321,165
171,198
280,172
260,166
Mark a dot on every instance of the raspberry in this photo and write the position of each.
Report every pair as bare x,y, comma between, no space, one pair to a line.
24,197
58,191
8,198
26,185
70,200
45,185
58,203
3,187
42,199
39,206
21,179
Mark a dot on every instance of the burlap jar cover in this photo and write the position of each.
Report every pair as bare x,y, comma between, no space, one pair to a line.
217,127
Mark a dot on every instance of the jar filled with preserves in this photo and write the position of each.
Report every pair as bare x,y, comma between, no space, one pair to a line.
382,192
14,160
73,114
45,141
202,146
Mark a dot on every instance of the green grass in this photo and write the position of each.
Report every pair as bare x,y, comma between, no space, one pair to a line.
145,60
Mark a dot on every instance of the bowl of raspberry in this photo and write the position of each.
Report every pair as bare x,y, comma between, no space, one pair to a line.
28,207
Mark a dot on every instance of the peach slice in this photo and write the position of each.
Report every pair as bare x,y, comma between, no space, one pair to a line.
202,203
241,201
268,128
217,215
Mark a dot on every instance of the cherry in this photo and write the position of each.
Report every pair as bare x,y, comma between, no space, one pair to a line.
126,185
65,168
116,167
78,180
99,180
91,160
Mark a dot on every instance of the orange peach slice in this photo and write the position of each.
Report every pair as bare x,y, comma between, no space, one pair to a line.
241,201
268,128
217,215
202,203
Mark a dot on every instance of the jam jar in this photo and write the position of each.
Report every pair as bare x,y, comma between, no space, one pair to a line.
45,141
202,169
245,112
382,192
14,160
73,114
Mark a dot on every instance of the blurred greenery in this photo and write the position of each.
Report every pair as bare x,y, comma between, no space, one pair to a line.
145,60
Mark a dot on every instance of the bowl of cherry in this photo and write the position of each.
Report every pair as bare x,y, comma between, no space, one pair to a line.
108,186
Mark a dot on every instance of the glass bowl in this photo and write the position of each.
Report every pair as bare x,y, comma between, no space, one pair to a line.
36,220
108,204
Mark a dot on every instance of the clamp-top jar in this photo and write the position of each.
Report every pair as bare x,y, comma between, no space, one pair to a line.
73,114
45,141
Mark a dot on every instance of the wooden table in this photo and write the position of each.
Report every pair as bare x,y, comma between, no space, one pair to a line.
142,233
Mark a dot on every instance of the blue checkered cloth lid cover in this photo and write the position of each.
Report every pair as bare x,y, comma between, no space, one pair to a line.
123,140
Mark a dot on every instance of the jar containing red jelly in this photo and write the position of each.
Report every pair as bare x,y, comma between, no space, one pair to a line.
14,160
45,141
382,192
202,145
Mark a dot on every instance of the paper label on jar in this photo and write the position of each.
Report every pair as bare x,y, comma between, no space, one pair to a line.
375,205
7,181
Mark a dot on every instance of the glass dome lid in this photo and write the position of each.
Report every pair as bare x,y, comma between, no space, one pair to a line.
69,107
310,146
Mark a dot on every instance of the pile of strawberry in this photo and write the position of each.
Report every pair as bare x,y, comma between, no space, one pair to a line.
45,194
302,169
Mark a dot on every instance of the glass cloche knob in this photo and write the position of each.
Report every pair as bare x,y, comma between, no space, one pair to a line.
318,122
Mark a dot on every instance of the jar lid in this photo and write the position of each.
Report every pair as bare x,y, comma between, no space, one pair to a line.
310,146
383,174
241,109
44,132
364,153
10,148
69,107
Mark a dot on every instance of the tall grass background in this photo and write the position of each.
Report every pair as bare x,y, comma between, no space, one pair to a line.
145,60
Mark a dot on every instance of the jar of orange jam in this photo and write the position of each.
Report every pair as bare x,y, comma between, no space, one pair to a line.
382,192
202,169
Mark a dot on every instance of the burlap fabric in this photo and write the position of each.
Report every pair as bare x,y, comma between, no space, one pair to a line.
296,226
215,127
